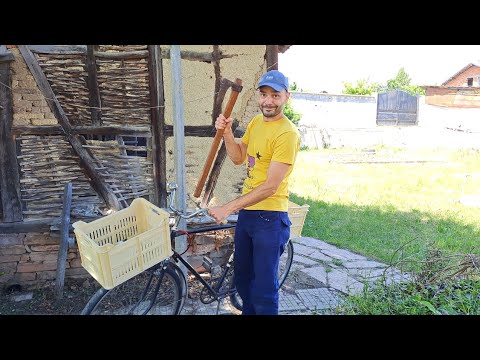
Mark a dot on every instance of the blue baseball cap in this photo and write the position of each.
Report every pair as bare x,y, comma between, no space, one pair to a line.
275,79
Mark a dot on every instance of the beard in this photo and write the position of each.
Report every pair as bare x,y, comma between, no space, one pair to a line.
271,112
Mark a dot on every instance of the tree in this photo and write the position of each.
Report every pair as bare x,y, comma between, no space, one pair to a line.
362,87
402,82
291,114
289,111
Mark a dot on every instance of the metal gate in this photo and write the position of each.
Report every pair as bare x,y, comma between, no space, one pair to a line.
397,108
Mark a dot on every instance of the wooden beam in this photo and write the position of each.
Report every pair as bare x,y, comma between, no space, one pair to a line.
86,159
140,54
9,173
271,55
157,115
93,91
199,131
64,235
84,130
27,226
59,49
190,130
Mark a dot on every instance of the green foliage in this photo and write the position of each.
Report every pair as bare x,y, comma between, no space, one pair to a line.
294,87
291,114
402,82
362,87
455,297
289,111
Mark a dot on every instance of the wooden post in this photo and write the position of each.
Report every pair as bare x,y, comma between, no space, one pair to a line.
271,56
9,175
64,235
157,115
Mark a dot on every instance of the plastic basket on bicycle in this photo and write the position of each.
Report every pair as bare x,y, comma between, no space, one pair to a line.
297,214
119,246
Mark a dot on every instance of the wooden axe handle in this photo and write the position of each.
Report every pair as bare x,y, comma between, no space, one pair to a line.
216,141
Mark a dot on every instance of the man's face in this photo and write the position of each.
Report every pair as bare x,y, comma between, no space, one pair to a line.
271,102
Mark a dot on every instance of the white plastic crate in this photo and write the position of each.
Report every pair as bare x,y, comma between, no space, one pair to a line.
119,246
297,214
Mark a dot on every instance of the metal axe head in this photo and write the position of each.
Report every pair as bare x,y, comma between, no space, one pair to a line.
236,86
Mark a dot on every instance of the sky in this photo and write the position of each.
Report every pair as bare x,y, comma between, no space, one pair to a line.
317,68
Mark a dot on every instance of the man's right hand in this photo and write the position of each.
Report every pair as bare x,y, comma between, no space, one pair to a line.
224,123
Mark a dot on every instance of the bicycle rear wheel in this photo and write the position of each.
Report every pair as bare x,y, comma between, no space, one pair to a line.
136,296
284,266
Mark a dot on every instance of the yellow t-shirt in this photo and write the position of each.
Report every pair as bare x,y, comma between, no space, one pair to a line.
275,140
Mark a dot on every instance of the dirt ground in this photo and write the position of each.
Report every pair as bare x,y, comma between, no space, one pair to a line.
77,292
43,301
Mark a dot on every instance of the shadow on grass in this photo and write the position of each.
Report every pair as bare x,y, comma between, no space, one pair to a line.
386,234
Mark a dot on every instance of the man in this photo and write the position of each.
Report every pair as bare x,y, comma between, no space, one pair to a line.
270,143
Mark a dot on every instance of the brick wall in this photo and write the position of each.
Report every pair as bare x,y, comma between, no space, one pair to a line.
30,260
461,79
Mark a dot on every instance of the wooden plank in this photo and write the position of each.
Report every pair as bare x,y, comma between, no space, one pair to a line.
82,50
58,49
189,130
75,140
93,91
9,176
64,235
84,130
157,115
27,226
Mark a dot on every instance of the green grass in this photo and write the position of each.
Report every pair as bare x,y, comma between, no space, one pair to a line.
457,297
378,208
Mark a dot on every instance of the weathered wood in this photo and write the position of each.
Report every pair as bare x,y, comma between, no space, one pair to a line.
113,130
27,226
9,176
74,140
37,130
220,90
122,55
93,91
157,114
234,92
271,57
189,130
82,50
59,49
217,167
64,235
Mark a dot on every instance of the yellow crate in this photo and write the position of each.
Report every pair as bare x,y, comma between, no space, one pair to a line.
119,246
297,215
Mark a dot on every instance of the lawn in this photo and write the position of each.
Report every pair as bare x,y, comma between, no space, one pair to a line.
391,204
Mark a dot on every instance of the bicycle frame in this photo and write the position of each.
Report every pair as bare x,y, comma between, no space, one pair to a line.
176,257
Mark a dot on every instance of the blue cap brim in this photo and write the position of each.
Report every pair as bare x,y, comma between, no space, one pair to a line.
274,86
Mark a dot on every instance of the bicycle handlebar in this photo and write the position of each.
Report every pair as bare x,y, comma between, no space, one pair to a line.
171,188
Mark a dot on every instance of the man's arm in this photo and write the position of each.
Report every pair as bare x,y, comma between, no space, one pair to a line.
276,173
237,152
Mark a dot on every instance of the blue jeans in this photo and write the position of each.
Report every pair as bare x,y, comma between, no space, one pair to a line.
260,239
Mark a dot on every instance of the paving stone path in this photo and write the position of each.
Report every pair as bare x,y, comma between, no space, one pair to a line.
329,273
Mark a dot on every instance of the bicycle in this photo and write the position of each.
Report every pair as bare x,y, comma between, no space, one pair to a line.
162,289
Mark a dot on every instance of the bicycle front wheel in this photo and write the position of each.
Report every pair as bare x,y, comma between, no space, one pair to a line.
141,295
284,266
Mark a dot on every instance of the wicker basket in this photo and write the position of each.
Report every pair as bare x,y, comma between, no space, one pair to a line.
297,215
119,246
